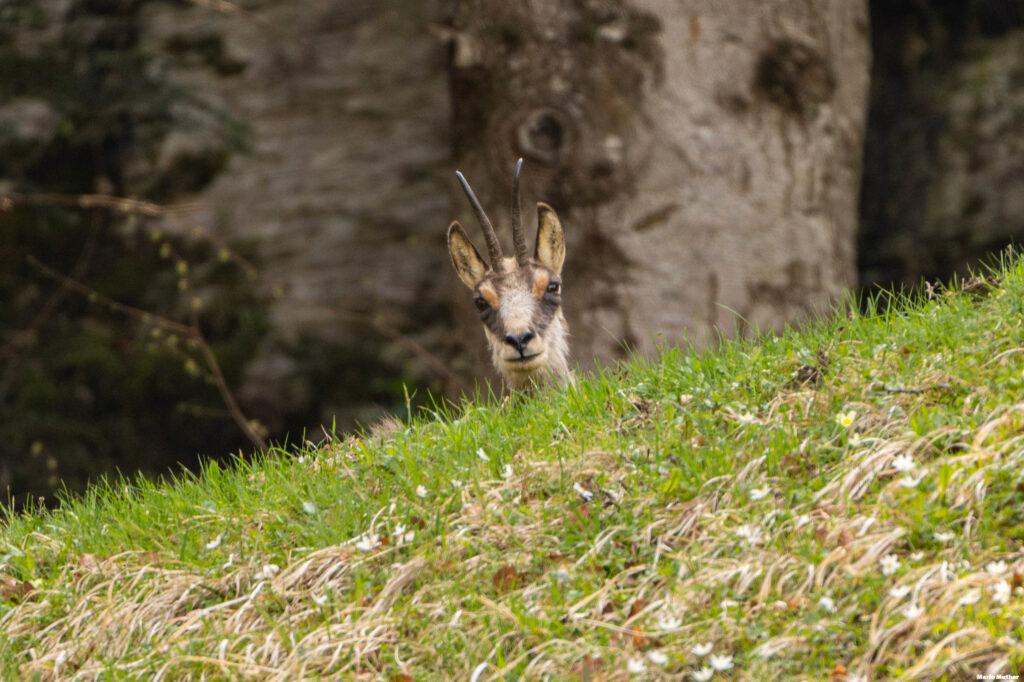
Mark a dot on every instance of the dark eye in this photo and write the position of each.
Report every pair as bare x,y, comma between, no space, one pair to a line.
554,287
481,303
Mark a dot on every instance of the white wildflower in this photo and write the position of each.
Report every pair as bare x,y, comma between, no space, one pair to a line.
507,471
890,563
368,541
720,663
636,666
752,534
456,483
309,507
421,491
827,604
944,536
995,567
319,600
403,536
703,675
911,611
899,591
582,492
903,463
971,597
268,571
1001,592
657,657
758,493
214,543
701,650
667,621
845,419
916,556
910,482
482,455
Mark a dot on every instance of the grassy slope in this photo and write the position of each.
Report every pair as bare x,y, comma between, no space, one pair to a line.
731,505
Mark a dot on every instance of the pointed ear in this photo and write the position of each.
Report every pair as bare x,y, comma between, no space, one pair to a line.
466,259
550,250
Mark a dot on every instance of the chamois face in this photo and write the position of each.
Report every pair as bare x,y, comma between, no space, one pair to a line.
519,299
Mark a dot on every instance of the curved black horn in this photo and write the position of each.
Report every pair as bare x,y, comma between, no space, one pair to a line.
518,238
493,246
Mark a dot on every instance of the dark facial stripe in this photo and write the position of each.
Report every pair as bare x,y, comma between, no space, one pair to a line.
489,316
546,311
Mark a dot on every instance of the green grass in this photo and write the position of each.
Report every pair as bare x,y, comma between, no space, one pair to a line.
844,501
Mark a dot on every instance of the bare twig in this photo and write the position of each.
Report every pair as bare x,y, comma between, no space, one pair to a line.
222,387
138,313
9,349
178,212
191,332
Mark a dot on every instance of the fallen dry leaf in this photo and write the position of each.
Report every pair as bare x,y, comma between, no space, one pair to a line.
14,590
505,578
640,640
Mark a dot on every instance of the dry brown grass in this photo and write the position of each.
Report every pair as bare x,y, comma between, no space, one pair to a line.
876,542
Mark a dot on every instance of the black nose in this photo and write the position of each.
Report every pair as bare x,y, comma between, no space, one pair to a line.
519,341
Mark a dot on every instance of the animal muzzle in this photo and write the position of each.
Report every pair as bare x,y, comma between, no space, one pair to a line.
521,346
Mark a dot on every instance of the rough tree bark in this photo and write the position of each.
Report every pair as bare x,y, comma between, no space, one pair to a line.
703,155
342,191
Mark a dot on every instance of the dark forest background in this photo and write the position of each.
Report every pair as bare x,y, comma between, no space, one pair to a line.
205,245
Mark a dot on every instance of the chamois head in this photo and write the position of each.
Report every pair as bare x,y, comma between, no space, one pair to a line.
519,299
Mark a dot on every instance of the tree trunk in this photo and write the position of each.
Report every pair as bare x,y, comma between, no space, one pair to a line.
703,156
341,190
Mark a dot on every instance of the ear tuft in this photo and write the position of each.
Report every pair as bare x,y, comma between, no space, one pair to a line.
469,265
550,249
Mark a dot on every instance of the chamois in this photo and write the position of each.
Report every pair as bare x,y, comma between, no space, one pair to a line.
519,299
